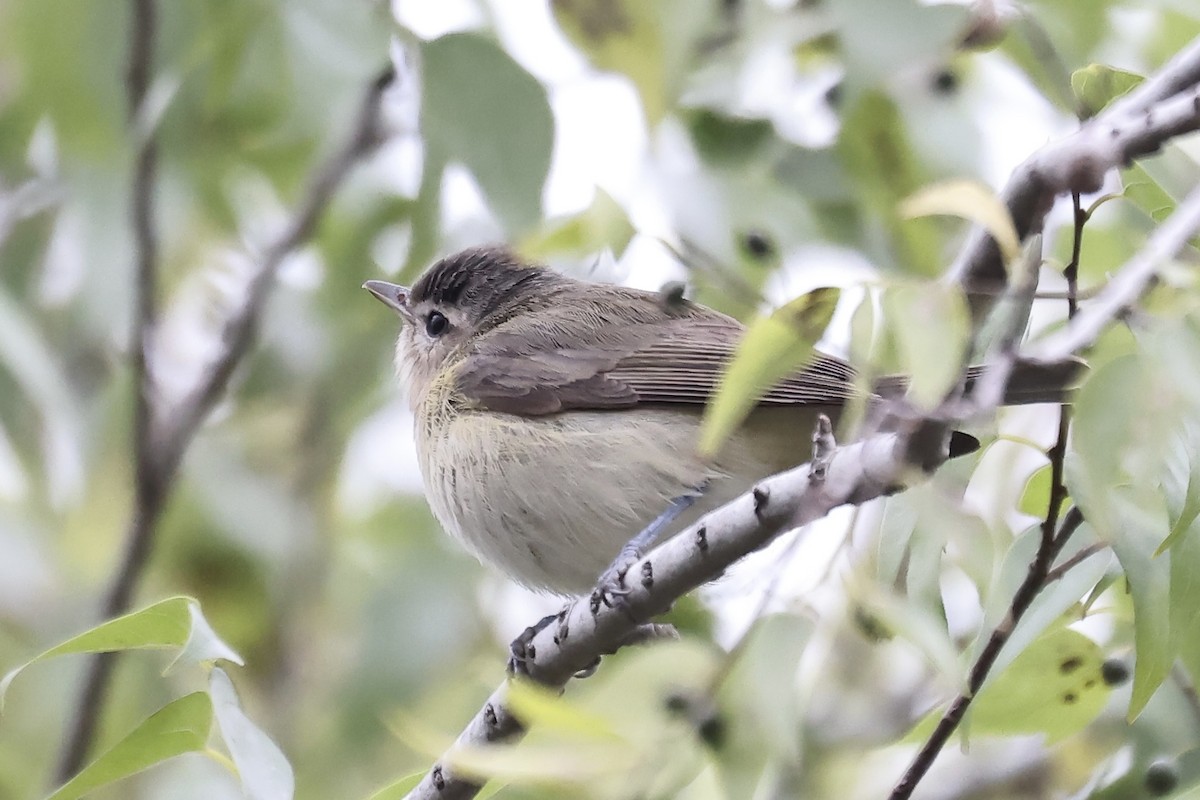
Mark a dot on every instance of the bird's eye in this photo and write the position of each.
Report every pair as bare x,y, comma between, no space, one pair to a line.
436,323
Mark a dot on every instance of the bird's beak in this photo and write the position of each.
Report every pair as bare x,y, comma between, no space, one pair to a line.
391,295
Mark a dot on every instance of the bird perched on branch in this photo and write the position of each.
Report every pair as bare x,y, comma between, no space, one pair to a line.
556,418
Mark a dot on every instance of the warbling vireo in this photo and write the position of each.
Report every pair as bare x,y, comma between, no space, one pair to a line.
556,418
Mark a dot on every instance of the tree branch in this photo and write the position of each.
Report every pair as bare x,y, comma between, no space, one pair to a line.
1126,286
1034,581
853,475
1133,280
161,436
876,466
1164,107
242,326
147,485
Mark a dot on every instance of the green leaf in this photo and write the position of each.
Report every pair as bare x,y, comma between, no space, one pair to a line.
481,108
972,201
760,703
1182,493
1035,497
603,224
1185,599
875,150
772,347
537,705
1050,604
1145,193
181,726
1097,85
399,789
174,622
727,141
762,684
1141,524
620,36
264,770
877,40
928,326
1054,687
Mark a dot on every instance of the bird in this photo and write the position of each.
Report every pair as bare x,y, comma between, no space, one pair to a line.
555,418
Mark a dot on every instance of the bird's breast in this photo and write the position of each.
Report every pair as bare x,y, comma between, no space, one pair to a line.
550,500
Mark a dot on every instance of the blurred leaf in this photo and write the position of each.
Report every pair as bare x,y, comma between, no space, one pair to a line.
620,36
817,175
928,326
481,108
1185,599
972,201
760,702
1126,417
179,727
38,370
399,789
263,769
174,622
896,530
772,347
545,762
728,141
874,149
1186,510
603,224
915,623
877,39
1097,85
1054,687
537,705
1140,525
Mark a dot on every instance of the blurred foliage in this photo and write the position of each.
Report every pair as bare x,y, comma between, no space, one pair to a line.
778,142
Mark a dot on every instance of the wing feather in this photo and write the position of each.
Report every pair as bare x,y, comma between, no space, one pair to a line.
621,351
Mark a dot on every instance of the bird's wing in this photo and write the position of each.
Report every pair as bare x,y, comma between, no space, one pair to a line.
610,355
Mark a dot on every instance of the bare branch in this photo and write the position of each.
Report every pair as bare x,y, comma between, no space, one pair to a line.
1078,163
1179,74
1034,582
1074,561
881,464
854,474
242,325
147,483
1129,284
161,436
1040,573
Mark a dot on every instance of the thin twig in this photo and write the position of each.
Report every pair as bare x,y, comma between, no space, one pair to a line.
162,436
1042,572
1136,125
1179,675
242,326
1034,582
1075,560
1134,279
1071,270
725,534
148,486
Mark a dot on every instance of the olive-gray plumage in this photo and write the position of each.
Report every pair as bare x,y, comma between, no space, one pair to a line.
555,418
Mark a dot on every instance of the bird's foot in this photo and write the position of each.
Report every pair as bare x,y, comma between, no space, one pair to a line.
521,651
612,588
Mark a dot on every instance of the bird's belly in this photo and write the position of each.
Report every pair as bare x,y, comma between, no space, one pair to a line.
550,500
